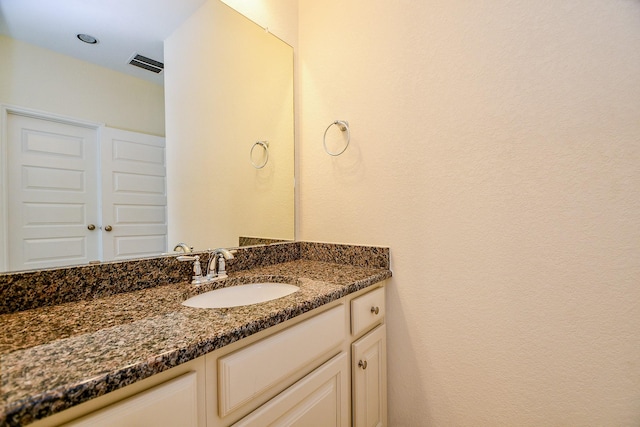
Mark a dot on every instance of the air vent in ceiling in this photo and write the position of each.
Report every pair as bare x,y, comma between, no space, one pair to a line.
146,63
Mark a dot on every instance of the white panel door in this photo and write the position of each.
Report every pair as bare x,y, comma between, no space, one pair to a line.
134,194
52,186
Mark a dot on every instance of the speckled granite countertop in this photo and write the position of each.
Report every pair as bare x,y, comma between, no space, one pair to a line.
52,358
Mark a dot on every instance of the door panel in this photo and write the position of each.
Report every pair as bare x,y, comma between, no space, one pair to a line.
52,179
131,246
134,194
50,207
139,148
59,145
137,214
138,183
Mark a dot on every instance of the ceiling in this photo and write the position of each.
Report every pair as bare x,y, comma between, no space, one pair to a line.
122,27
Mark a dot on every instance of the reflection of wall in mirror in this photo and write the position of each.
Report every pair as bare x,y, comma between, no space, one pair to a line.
229,85
40,79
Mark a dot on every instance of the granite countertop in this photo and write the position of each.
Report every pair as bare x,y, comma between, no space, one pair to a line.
52,358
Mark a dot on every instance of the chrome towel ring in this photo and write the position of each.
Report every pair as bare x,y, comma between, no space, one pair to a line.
265,147
343,125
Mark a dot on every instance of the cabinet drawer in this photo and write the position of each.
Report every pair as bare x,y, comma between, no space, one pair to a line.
279,360
367,311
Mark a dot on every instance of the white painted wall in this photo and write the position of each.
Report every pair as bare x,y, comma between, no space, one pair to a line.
496,150
40,79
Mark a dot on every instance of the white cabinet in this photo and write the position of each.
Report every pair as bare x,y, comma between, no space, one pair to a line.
174,403
370,379
306,372
320,399
175,397
368,360
251,375
367,311
343,391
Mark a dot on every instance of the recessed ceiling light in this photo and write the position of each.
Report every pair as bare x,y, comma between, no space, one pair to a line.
87,38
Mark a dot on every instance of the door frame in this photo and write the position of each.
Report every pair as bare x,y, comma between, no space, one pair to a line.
5,110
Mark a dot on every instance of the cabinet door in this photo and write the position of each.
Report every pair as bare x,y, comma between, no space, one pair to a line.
174,403
369,367
320,399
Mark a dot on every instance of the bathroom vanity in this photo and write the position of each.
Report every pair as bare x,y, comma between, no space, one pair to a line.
315,357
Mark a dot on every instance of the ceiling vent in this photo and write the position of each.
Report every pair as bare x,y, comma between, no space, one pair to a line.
146,63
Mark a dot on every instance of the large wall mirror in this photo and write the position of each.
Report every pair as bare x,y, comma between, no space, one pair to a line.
218,120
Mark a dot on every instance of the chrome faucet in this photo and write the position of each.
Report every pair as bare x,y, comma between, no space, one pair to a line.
182,247
218,256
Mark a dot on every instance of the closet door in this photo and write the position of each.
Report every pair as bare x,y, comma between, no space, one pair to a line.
134,194
52,193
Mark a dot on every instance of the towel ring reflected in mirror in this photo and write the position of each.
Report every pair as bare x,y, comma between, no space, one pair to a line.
343,125
265,147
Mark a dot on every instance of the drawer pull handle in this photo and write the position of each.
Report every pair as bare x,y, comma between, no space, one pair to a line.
362,364
375,310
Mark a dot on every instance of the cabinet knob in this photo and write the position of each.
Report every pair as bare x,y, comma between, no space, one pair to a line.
362,364
108,228
91,227
375,310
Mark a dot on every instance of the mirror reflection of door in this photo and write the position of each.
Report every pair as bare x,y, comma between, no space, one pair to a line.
82,193
134,194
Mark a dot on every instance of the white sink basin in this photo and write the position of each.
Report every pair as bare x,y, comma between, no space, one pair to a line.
235,296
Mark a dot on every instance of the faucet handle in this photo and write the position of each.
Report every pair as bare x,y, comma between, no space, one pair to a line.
197,278
222,272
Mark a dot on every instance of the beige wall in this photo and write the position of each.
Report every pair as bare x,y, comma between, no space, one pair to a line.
228,84
496,150
40,79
